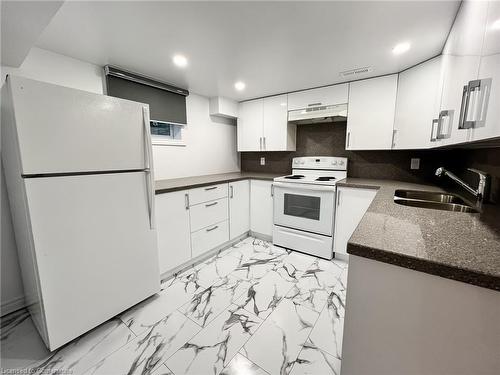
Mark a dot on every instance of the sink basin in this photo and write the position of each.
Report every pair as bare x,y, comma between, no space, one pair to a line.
432,199
436,205
430,196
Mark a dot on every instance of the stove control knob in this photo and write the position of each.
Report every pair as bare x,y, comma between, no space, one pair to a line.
334,162
302,162
295,162
341,162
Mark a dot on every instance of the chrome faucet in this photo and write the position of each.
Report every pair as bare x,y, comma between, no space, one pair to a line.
482,187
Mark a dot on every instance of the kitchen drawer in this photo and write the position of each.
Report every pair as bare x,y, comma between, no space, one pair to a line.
207,193
208,238
208,213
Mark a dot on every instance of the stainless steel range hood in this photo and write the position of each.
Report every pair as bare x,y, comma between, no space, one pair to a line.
317,114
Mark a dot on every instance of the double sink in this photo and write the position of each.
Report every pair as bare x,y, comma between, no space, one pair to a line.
433,200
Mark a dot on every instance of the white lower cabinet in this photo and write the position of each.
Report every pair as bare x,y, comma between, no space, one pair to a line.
207,213
209,238
174,234
261,207
239,208
352,204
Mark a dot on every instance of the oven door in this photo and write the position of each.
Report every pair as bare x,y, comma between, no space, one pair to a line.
304,207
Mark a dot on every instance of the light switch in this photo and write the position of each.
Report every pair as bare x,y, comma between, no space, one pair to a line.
415,163
262,161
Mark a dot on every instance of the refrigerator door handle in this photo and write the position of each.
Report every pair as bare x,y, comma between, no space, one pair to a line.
150,182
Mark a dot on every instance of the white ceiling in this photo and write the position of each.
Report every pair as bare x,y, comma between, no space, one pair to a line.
273,47
21,24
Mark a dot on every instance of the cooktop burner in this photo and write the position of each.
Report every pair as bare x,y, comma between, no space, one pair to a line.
294,177
325,178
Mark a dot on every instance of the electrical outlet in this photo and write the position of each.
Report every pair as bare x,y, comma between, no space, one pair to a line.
415,163
262,161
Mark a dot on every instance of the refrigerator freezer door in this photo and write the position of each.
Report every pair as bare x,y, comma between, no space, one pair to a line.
94,247
64,130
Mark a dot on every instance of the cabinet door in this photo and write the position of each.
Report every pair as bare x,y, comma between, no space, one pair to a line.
174,240
278,135
261,207
250,125
489,70
239,208
461,59
352,204
457,72
330,95
417,105
370,119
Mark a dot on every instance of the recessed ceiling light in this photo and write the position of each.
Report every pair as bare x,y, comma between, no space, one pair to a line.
496,25
240,86
401,48
180,60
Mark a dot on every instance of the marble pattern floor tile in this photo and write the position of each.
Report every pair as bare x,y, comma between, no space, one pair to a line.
241,365
313,361
213,347
84,352
20,344
264,295
277,343
146,352
252,309
328,331
216,268
174,293
207,303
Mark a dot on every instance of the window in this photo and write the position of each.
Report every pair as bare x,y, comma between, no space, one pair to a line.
163,133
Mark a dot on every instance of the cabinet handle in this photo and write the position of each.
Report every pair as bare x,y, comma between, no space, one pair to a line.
479,91
394,131
348,139
272,190
442,115
264,143
260,143
211,188
231,191
211,204
338,197
186,201
211,229
314,104
433,126
464,108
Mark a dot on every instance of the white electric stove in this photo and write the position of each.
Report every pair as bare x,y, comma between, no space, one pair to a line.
304,205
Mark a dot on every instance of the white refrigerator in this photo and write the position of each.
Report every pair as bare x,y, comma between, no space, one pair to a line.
79,176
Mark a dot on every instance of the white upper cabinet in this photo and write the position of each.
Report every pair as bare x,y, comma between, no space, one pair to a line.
263,125
417,106
250,125
461,61
330,95
278,134
370,120
487,114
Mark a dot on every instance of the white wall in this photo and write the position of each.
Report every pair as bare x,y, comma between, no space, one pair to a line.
210,146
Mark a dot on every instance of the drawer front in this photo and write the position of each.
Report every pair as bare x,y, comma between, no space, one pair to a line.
207,193
208,213
210,237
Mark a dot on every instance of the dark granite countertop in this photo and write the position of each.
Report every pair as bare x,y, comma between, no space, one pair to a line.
165,186
458,246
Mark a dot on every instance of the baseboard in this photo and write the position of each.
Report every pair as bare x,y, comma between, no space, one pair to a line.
260,236
201,258
12,305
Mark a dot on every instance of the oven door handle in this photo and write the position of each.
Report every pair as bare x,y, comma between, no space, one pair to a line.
313,187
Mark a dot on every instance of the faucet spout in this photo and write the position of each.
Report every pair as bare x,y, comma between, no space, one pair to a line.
479,193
